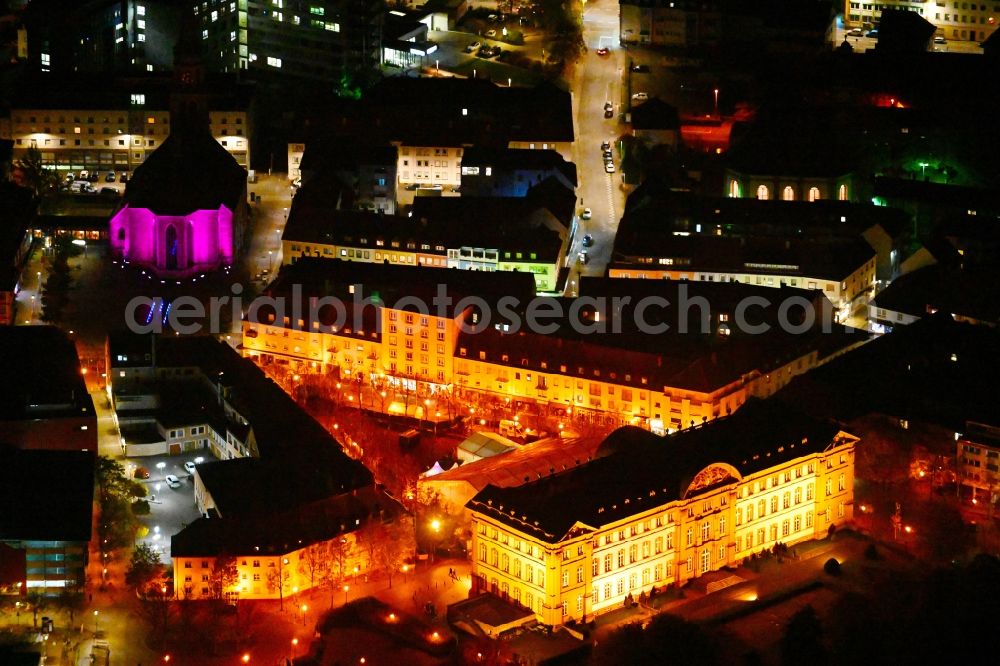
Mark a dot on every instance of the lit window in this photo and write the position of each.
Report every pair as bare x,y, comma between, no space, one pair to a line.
138,99
762,192
273,62
333,27
141,37
813,194
788,194
204,34
140,24
140,10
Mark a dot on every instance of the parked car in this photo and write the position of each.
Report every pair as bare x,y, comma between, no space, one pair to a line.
587,213
940,40
855,32
473,46
609,113
873,33
109,192
84,175
491,34
607,155
492,18
70,177
605,145
124,177
588,240
110,177
189,466
640,96
82,187
94,177
608,106
603,51
140,473
609,167
582,257
172,481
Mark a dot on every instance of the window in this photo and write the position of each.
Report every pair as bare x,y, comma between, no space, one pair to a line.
633,554
607,563
798,496
762,192
842,193
829,487
565,578
138,99
594,567
690,536
706,531
787,194
809,492
840,482
273,62
706,560
813,194
621,557
722,525
579,574
784,528
786,500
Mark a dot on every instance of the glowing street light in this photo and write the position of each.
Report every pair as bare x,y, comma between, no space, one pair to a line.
716,93
436,525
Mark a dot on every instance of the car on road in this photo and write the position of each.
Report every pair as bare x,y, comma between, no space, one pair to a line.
588,240
855,32
873,33
84,175
609,113
603,51
124,177
607,155
605,145
587,214
940,40
608,106
640,96
609,167
109,177
473,46
141,473
189,467
582,257
109,192
640,69
82,187
172,481
491,33
489,51
492,18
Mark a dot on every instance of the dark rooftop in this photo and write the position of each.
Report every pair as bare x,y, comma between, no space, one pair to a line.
655,114
46,495
49,383
972,293
935,370
636,470
830,259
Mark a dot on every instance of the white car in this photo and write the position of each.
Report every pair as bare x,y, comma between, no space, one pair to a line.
189,466
640,96
587,214
609,167
172,481
491,33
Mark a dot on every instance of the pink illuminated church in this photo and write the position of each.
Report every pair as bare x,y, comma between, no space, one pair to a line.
184,210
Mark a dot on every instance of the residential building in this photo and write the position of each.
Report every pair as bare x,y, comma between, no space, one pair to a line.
513,234
977,460
48,406
335,41
102,35
778,27
510,172
956,21
652,512
622,374
280,486
967,294
654,209
372,341
843,269
88,123
351,177
46,528
655,123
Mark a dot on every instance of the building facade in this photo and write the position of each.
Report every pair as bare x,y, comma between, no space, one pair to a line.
327,40
587,556
957,21
977,460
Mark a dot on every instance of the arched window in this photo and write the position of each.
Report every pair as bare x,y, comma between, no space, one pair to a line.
842,193
121,234
813,194
787,194
734,189
762,192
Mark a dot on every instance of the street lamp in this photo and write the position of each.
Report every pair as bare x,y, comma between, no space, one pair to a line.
97,620
347,588
304,608
270,255
923,169
716,93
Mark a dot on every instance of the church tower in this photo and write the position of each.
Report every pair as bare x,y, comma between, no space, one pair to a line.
189,95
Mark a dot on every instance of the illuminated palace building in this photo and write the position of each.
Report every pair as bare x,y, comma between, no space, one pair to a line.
663,382
649,511
184,210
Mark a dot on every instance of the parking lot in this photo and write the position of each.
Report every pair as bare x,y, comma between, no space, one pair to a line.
171,508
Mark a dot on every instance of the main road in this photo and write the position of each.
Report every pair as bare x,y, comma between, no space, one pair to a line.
597,80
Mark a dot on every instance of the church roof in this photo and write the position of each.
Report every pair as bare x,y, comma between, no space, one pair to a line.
188,172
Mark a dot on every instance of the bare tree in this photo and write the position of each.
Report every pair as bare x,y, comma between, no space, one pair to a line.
389,548
224,575
277,581
315,559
